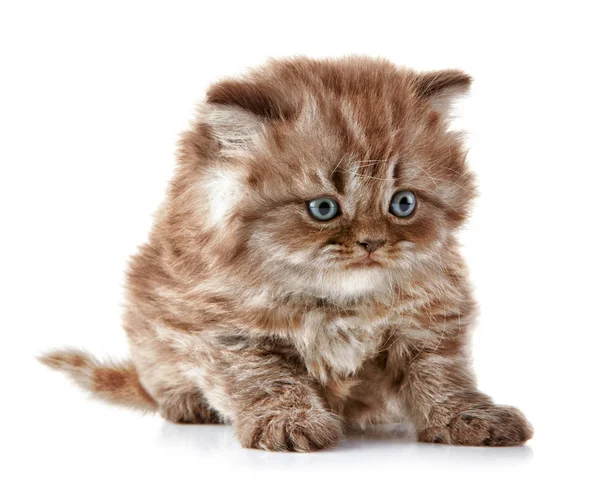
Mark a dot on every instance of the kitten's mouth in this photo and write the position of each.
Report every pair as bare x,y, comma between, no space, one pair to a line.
365,262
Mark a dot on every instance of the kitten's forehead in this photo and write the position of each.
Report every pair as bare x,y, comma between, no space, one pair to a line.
356,157
343,178
362,180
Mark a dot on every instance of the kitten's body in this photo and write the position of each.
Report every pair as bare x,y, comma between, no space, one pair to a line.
243,309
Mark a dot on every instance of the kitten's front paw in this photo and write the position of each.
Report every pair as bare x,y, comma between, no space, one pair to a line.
493,426
290,430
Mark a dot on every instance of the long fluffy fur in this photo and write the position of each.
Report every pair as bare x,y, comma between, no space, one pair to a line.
113,382
241,308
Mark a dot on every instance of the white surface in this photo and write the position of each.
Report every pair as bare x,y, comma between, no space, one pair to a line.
91,101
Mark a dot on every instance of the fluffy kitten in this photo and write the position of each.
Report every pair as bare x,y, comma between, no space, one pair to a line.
303,274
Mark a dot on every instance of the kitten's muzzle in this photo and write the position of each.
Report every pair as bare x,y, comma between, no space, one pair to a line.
371,244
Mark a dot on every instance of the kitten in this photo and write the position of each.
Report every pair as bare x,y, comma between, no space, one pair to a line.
303,275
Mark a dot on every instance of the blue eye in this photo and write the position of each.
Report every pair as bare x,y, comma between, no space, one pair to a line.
323,208
403,204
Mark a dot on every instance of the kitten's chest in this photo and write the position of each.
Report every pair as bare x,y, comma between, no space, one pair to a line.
337,347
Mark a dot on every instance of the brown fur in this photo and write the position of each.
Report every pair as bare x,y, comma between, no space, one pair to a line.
114,382
242,308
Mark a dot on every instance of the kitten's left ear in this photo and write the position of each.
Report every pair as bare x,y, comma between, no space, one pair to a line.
441,88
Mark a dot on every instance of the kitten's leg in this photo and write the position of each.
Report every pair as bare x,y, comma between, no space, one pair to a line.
447,407
271,401
178,400
187,407
161,373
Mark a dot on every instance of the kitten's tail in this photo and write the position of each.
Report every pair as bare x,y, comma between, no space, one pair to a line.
116,383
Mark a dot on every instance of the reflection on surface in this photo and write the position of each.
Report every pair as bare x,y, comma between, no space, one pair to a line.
379,445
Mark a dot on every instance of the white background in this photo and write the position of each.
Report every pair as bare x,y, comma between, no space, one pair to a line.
92,97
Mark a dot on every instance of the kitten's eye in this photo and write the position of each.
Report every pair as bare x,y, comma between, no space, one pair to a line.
323,208
403,204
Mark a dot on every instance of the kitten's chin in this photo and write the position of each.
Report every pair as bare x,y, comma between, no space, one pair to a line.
355,283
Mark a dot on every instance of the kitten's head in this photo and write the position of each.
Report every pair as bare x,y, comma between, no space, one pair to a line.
331,178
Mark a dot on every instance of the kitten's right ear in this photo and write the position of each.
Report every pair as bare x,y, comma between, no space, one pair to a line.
238,112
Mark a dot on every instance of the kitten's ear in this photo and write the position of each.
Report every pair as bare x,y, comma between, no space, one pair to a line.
238,112
235,129
441,88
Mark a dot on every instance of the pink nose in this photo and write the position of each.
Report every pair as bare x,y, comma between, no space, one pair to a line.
371,244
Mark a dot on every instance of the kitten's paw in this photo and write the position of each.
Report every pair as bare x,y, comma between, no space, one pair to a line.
188,408
493,426
297,430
